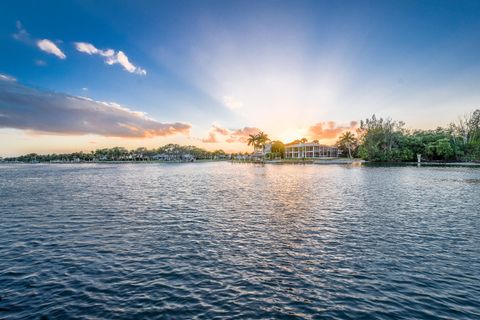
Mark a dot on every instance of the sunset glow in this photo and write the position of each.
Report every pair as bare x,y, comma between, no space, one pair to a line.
289,69
239,159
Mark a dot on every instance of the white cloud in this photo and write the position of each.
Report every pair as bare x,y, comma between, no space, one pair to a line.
123,60
50,47
7,78
86,47
232,102
45,45
111,57
21,34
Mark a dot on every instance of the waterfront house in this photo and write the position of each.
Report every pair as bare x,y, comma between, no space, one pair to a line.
315,150
260,153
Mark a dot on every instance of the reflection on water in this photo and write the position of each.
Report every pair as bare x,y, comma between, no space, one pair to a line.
233,240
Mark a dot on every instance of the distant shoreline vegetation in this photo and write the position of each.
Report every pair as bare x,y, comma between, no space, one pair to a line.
169,152
376,140
385,140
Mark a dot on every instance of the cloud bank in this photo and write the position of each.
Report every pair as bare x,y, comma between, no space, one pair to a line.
110,57
330,129
26,108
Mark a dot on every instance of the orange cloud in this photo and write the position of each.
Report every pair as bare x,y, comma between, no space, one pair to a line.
234,135
330,129
212,138
220,130
241,135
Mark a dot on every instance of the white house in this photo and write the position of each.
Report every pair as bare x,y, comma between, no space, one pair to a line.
310,150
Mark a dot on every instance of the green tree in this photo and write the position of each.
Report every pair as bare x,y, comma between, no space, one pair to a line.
278,148
253,141
444,149
347,142
440,149
262,139
378,139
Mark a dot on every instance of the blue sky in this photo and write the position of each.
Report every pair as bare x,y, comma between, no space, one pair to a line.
228,68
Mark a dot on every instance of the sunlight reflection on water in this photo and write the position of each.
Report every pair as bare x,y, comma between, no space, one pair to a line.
235,240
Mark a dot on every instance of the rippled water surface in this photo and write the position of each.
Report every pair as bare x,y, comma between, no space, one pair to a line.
222,240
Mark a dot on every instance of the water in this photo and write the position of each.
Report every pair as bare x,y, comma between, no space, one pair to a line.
221,240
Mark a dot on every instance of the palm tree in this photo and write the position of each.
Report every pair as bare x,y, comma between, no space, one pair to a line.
262,139
346,141
252,141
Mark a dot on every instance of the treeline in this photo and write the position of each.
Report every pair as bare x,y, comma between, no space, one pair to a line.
377,139
380,139
173,151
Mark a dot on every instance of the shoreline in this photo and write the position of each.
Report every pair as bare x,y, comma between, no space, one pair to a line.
110,162
338,161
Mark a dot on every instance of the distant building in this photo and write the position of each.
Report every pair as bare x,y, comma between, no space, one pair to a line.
174,157
310,150
267,148
260,153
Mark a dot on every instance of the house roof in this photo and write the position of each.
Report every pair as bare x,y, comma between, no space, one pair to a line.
306,144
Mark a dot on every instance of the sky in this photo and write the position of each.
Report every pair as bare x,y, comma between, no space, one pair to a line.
84,75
